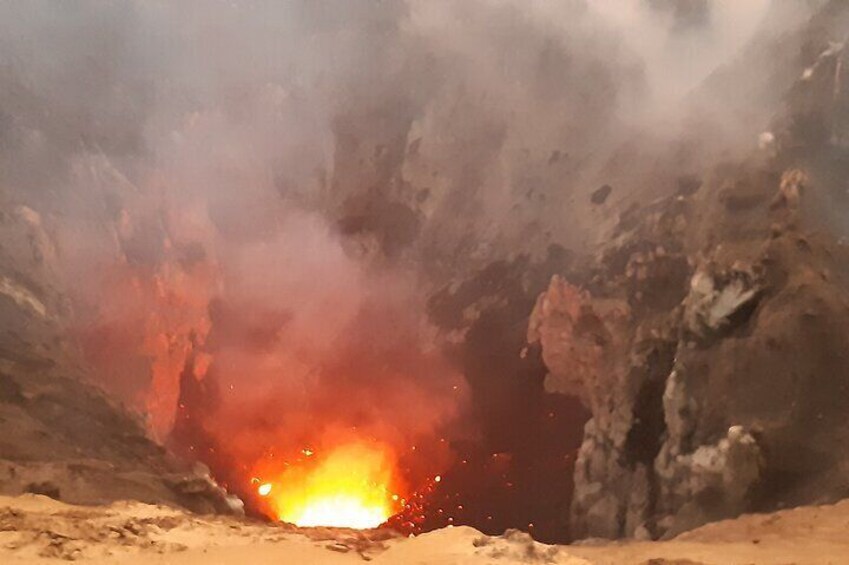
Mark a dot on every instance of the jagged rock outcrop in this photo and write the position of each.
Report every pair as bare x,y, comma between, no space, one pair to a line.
61,436
711,344
613,345
721,404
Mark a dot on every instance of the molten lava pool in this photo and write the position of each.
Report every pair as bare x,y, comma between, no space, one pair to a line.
350,486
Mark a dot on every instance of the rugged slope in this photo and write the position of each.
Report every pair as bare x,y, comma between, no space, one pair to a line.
710,344
60,436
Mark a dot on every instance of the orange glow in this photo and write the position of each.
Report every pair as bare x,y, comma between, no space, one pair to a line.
347,487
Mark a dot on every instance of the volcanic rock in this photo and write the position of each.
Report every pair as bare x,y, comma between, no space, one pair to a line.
66,438
600,195
710,344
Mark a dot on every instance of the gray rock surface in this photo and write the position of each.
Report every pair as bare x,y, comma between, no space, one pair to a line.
711,345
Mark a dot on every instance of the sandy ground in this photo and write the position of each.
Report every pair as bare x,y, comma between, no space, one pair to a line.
36,529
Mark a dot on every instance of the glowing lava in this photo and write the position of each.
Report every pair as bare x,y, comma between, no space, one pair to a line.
340,511
347,487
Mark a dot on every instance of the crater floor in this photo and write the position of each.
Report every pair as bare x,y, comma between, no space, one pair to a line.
37,529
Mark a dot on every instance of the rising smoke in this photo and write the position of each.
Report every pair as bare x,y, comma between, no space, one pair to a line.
252,201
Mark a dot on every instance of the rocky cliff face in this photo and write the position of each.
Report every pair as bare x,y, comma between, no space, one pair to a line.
61,436
711,342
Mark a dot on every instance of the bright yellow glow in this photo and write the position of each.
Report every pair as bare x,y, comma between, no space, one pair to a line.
341,512
345,487
264,489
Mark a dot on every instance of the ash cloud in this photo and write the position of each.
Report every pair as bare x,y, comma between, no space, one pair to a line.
252,200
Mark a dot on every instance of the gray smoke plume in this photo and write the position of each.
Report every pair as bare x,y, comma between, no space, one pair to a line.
261,195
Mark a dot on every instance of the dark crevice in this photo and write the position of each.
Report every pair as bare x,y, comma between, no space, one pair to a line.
646,434
648,431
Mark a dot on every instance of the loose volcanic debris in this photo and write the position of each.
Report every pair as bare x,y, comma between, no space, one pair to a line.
73,535
516,546
600,195
365,543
